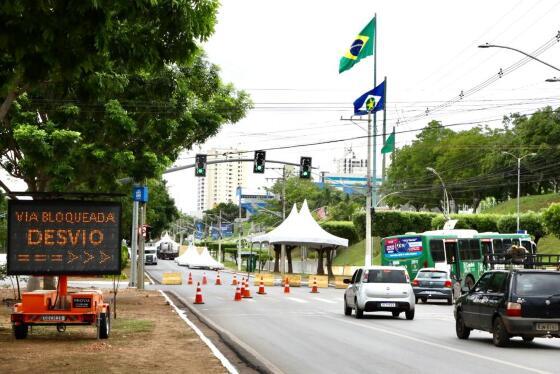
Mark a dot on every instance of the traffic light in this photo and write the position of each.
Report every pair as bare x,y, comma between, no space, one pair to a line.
260,159
200,166
305,168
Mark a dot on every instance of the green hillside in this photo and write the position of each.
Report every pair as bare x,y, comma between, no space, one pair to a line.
354,255
526,203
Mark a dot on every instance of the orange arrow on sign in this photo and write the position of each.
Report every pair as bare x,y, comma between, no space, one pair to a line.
88,256
104,257
71,257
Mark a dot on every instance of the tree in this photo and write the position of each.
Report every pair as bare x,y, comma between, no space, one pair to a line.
230,212
551,218
49,42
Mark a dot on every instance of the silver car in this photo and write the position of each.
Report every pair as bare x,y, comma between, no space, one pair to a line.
379,289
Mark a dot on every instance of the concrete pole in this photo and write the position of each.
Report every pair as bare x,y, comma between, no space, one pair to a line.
283,246
140,275
133,245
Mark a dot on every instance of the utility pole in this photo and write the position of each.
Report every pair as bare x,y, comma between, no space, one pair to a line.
140,274
283,246
134,244
240,228
220,237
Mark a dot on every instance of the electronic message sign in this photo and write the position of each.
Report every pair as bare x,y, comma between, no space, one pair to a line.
54,237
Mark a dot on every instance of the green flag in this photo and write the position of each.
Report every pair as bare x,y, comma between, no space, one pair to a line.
361,47
389,145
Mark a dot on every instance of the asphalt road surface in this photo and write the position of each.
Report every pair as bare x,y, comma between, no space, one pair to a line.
309,333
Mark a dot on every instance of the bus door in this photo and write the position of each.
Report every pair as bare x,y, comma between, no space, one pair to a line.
452,258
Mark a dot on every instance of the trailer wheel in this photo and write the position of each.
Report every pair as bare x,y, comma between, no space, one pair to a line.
20,331
104,325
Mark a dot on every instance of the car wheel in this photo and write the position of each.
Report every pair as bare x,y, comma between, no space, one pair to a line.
416,300
450,301
424,300
347,309
409,314
461,330
500,336
528,339
359,312
396,313
20,331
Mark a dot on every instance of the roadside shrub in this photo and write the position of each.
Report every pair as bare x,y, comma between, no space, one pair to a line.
343,229
478,222
124,256
393,223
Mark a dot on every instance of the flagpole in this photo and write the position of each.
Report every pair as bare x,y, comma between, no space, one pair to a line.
373,184
367,260
384,130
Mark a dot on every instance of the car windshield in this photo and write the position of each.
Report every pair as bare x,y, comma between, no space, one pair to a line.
386,276
537,284
432,274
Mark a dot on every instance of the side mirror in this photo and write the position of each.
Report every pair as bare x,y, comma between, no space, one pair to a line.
465,289
346,281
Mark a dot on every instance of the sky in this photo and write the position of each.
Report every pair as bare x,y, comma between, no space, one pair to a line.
285,54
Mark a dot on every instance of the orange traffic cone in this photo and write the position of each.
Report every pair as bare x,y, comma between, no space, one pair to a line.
242,286
314,288
198,297
218,280
190,279
287,285
237,294
247,292
261,288
204,280
234,281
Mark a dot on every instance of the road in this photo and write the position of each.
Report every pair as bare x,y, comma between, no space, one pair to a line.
308,333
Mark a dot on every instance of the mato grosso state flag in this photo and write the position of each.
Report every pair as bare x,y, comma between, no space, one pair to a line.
361,47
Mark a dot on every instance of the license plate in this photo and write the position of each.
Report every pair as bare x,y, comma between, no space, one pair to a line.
546,327
388,305
53,318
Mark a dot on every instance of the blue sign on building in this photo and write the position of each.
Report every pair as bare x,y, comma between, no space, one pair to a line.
140,193
199,233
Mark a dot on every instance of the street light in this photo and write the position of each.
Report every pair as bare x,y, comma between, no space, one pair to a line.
523,53
445,196
518,177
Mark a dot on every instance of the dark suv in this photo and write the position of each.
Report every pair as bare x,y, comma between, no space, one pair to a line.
509,303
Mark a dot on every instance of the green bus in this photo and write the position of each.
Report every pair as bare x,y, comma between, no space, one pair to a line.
457,251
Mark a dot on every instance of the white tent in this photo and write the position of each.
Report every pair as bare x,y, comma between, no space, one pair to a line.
191,255
165,238
204,260
301,229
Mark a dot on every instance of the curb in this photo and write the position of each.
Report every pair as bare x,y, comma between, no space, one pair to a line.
245,352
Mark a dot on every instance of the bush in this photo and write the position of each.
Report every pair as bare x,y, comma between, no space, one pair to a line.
531,221
478,222
343,229
124,256
393,223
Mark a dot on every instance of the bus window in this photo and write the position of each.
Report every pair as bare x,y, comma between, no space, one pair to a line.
498,246
436,249
515,242
507,244
474,247
526,244
486,247
533,248
464,249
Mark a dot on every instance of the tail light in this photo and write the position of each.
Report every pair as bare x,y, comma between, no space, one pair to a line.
448,284
415,283
513,309
88,318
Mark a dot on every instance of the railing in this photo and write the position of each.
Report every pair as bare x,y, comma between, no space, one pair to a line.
527,260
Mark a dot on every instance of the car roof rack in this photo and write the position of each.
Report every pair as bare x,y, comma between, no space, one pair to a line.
525,260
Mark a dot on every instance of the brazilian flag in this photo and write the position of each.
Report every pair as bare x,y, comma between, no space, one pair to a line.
361,47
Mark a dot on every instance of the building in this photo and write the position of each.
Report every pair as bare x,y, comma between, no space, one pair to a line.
350,164
222,180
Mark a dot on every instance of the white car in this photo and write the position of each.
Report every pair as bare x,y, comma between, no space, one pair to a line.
379,289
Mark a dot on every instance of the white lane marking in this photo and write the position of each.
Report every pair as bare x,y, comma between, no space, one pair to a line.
456,350
297,300
230,368
325,300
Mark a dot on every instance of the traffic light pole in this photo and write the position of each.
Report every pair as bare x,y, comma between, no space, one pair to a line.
134,244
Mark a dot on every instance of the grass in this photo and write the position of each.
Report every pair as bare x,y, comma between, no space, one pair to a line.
127,326
526,203
549,244
354,255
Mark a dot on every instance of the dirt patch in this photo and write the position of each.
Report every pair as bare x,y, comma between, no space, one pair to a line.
147,336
